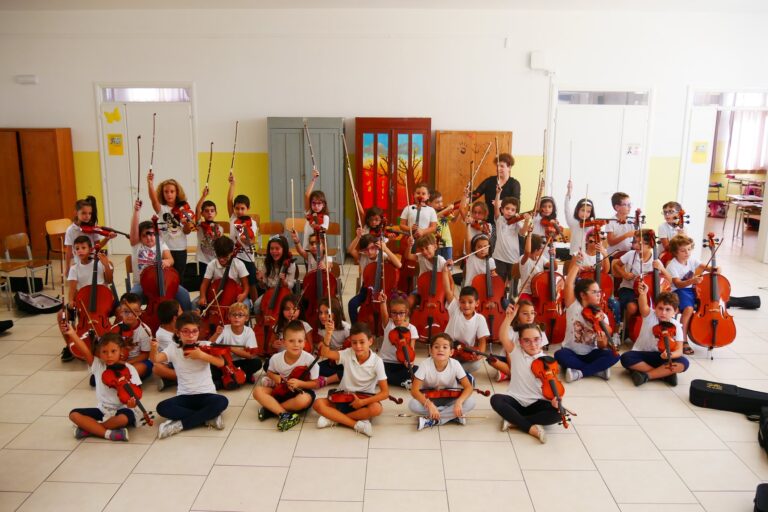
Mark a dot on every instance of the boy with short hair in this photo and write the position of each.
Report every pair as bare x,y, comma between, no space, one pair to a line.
620,229
237,207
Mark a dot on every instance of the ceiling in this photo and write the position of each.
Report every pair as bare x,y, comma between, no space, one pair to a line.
692,6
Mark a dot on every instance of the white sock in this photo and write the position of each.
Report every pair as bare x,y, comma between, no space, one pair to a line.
107,434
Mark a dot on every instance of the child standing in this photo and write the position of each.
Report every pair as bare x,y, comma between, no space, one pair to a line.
420,218
523,406
111,418
507,249
584,351
444,218
476,221
547,212
363,372
670,227
465,324
85,215
241,335
208,230
300,392
685,272
583,212
316,207
620,229
441,371
196,402
278,267
169,195
645,362
237,208
475,264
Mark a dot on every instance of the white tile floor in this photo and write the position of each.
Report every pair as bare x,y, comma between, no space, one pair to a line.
628,449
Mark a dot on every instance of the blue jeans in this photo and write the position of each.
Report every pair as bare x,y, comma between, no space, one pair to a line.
182,296
445,252
649,357
589,364
193,410
355,303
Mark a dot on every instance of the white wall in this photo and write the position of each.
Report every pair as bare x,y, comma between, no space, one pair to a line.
448,65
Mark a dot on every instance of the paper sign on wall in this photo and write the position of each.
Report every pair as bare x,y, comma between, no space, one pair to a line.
115,144
700,152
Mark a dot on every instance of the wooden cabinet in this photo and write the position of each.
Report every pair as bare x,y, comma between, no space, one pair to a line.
38,172
457,153
378,143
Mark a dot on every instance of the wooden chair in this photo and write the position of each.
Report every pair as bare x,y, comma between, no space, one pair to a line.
21,241
224,226
334,230
269,229
128,272
296,223
55,228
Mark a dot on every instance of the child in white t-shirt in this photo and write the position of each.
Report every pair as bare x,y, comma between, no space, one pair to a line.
330,372
418,217
475,264
468,326
437,372
224,247
81,272
237,333
507,250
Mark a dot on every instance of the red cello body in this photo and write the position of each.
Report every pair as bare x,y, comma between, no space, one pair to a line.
375,278
93,304
546,370
315,287
430,316
490,291
218,314
547,290
605,281
712,326
157,283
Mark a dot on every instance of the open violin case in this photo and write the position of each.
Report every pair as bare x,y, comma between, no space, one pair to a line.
37,303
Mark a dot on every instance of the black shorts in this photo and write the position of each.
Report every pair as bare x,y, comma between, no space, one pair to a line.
95,413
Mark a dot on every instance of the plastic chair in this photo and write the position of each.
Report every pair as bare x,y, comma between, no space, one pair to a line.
21,241
269,229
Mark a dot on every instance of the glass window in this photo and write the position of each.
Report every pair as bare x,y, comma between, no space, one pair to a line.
146,94
603,97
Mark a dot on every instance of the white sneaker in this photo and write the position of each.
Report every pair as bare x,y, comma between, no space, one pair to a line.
406,384
217,423
364,427
323,422
425,423
605,374
461,421
169,428
505,425
542,435
572,375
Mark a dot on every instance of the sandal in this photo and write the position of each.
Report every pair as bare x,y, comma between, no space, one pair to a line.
687,350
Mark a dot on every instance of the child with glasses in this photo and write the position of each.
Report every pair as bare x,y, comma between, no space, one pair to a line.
316,206
143,243
671,227
585,351
241,335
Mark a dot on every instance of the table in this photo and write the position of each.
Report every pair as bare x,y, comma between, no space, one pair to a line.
743,208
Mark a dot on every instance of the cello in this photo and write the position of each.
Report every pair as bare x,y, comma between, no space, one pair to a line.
270,310
430,316
374,277
317,283
158,283
490,290
226,292
547,289
546,369
712,326
99,300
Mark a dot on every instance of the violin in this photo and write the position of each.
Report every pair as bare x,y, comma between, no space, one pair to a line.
374,278
547,290
232,377
400,338
97,297
482,226
283,392
596,223
546,369
464,352
490,291
430,316
444,396
118,377
184,215
158,284
665,332
590,314
270,306
221,294
93,229
338,396
552,226
211,229
712,326
246,231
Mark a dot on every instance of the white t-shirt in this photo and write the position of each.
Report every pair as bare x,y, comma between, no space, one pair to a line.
290,276
631,261
507,241
144,257
646,341
164,338
278,365
193,375
338,337
531,267
138,341
427,216
246,248
618,229
461,329
173,234
215,271
523,384
476,266
308,229
474,232
579,334
538,229
425,265
74,231
83,273
363,378
106,397
448,378
363,260
246,339
682,271
577,232
205,252
667,230
387,352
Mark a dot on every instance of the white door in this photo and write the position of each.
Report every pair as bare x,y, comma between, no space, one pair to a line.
607,143
695,174
174,158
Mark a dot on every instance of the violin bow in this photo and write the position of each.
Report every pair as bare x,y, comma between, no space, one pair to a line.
496,141
210,163
327,271
477,169
234,148
214,301
468,255
311,151
138,316
408,415
87,316
352,183
293,209
138,164
154,134
584,233
550,239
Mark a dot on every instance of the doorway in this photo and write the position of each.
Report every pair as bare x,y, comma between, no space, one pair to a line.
124,114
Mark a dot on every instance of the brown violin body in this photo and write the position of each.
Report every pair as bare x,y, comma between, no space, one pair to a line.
712,326
546,369
338,396
400,338
218,312
157,283
430,316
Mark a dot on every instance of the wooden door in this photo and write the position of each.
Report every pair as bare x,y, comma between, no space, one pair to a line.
48,170
290,158
379,142
457,154
12,210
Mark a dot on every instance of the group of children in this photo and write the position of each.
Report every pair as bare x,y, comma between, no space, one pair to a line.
300,361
